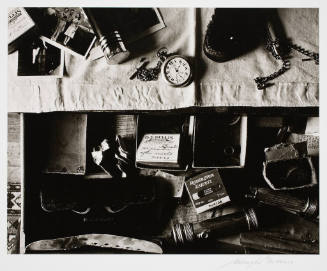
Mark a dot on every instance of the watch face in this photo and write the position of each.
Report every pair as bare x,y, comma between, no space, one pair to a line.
177,71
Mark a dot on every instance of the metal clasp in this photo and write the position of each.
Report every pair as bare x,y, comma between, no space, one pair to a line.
162,53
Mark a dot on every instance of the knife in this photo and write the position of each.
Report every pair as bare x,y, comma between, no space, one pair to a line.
94,240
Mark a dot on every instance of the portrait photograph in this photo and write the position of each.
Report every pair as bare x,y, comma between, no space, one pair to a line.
68,29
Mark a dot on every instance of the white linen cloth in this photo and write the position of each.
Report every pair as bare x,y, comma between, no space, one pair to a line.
95,85
231,83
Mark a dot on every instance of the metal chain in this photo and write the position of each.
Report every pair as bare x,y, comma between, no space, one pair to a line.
262,82
271,45
312,55
152,74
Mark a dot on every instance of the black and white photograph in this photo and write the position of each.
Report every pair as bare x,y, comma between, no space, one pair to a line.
134,28
40,59
194,132
68,29
133,24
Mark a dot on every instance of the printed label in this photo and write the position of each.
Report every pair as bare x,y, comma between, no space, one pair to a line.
19,22
158,148
207,191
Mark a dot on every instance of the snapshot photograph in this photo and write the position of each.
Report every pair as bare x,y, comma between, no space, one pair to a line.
133,27
68,29
40,59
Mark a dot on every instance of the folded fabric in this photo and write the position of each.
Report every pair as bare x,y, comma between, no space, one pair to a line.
95,85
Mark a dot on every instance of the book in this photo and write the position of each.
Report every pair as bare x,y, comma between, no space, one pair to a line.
159,150
207,191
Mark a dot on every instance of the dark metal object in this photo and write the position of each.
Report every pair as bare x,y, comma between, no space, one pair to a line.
312,55
152,74
274,47
272,243
262,82
138,68
217,227
283,233
305,206
111,42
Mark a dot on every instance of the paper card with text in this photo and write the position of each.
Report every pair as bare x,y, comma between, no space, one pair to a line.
207,191
158,148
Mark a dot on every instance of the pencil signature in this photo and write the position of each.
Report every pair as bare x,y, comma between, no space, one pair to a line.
250,261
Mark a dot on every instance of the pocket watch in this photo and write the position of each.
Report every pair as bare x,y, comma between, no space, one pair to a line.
176,71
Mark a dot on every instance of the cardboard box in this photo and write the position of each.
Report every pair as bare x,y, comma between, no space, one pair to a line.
207,191
78,132
219,141
172,126
64,143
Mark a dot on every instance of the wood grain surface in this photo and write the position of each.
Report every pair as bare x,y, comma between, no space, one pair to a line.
13,150
13,183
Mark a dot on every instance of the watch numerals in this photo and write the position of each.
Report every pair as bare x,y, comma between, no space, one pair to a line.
177,71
